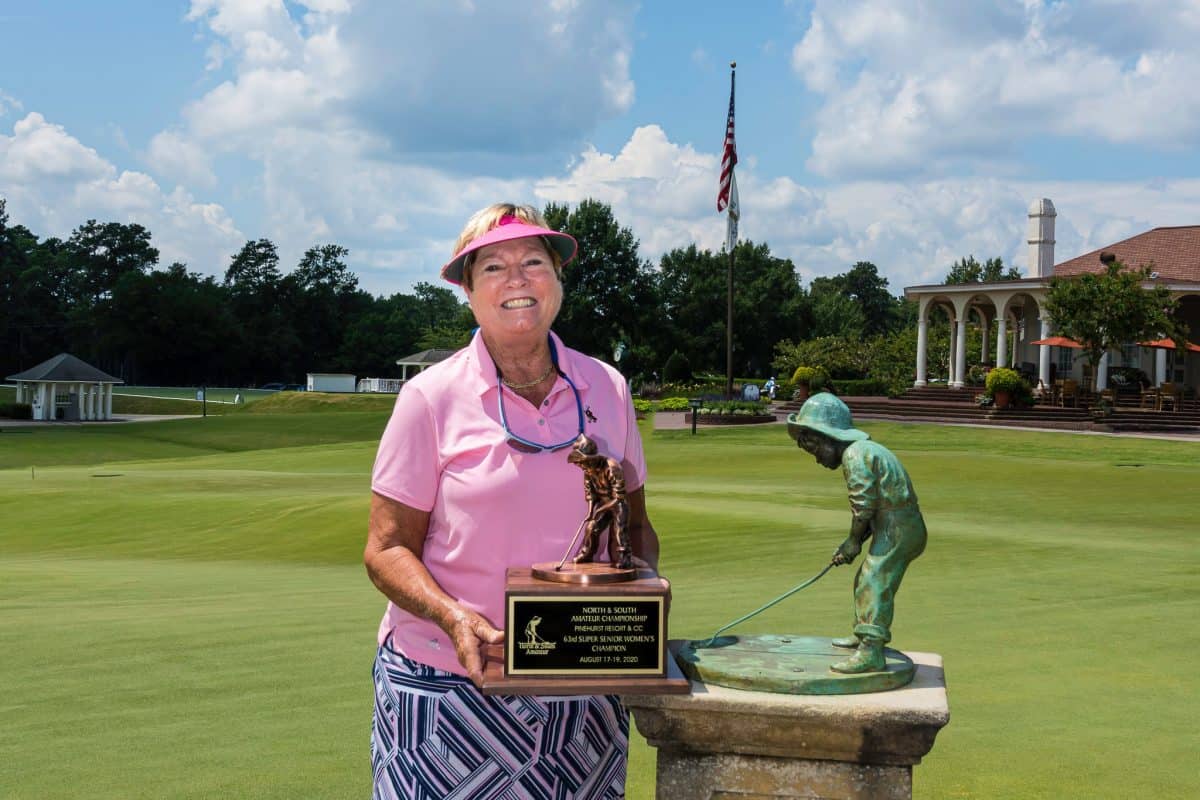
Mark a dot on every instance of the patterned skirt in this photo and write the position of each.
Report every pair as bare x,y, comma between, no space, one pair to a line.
436,737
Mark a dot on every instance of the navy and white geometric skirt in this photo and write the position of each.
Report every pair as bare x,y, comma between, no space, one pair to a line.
436,737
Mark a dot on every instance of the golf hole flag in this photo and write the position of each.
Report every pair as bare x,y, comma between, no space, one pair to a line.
727,194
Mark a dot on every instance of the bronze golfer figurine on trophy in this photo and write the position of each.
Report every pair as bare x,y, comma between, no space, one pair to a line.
578,626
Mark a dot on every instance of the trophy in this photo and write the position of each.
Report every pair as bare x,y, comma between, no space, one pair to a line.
578,626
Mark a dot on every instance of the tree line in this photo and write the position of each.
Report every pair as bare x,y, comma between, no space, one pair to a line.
102,295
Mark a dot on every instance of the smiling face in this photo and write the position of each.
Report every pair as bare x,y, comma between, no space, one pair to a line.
515,293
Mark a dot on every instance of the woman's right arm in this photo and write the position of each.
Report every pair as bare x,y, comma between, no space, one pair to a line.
395,541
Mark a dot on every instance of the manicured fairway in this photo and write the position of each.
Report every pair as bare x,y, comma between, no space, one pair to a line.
183,614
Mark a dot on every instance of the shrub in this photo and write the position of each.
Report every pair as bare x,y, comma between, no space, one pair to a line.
740,407
677,368
1003,379
673,404
16,410
642,406
815,377
977,374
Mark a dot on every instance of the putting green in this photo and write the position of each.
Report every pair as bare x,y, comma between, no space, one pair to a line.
183,612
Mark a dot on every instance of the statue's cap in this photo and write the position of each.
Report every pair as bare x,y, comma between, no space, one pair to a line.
827,415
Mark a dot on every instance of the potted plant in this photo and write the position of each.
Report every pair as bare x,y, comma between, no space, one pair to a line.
807,380
1003,385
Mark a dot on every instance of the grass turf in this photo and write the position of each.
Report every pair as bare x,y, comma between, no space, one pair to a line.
184,614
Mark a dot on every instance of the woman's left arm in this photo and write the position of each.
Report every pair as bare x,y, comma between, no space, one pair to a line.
642,537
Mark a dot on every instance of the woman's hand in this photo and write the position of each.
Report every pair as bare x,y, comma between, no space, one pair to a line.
395,539
469,633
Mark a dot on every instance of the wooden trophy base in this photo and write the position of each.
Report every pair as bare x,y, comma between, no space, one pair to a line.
584,638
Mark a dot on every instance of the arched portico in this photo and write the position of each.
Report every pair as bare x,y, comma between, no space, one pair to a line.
1007,304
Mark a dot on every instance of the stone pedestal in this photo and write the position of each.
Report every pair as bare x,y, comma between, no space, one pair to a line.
722,744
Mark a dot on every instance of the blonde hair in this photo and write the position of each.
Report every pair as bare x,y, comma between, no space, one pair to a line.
485,219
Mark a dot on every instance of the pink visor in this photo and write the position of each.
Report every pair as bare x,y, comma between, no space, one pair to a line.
508,229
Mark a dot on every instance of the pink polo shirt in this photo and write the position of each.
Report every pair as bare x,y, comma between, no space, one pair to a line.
490,506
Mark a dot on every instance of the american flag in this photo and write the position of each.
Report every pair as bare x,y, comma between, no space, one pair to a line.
728,155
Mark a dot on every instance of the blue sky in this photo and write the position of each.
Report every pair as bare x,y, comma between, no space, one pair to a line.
904,132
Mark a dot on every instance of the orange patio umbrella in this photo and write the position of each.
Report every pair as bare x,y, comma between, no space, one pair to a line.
1059,341
1168,344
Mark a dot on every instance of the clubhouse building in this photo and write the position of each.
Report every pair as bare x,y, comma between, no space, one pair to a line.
1011,314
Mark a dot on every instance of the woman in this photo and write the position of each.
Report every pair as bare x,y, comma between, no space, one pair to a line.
472,478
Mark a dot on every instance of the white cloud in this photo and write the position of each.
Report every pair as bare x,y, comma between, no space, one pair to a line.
925,87
180,159
8,103
53,183
436,77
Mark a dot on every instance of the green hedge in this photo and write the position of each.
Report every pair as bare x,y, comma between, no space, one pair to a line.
673,404
745,407
642,406
865,387
16,410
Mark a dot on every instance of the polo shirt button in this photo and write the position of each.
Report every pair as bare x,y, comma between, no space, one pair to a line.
546,402
541,422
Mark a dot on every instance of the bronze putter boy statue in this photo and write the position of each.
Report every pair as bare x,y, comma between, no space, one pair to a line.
608,508
884,509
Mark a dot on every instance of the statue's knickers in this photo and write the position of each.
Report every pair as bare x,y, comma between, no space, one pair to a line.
897,537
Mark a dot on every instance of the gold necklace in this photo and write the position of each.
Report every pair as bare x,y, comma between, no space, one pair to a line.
531,383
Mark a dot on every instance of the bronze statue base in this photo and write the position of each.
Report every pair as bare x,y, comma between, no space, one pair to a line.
588,573
786,664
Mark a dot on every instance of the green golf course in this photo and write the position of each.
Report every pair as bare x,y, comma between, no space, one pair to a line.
184,614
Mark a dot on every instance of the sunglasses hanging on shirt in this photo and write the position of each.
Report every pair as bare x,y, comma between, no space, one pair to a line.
525,445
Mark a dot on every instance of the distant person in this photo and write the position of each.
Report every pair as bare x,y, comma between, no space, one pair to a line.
471,478
883,507
769,387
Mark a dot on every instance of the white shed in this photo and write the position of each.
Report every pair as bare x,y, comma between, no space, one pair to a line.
330,382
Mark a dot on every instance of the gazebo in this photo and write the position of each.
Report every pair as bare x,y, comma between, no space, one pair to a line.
65,382
421,360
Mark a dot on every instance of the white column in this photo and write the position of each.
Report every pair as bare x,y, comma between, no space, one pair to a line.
91,406
1160,366
108,402
953,350
82,401
984,329
1102,373
1044,353
1001,341
20,386
960,354
53,405
922,347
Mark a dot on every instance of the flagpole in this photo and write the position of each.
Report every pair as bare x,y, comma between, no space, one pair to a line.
729,272
729,328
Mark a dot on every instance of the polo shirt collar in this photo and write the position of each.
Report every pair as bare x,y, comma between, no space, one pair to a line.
482,369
